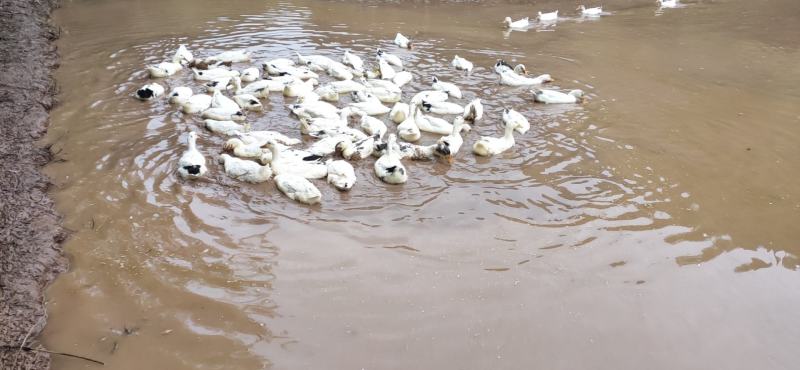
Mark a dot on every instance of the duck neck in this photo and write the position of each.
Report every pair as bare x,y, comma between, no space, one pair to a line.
509,133
192,143
237,84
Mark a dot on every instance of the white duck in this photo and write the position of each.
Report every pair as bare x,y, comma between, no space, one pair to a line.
441,107
221,101
262,137
315,62
448,146
224,114
277,66
388,167
194,104
511,78
399,112
224,127
180,93
248,102
372,126
432,124
248,150
353,61
557,97
250,74
339,71
262,88
298,88
282,164
192,164
372,106
314,109
357,150
548,17
473,111
231,56
182,55
668,3
163,69
522,23
487,146
327,92
213,73
341,174
327,145
429,96
347,86
386,70
402,41
149,91
462,64
385,95
245,170
450,88
517,120
590,12
401,78
408,129
218,84
502,66
390,58
298,188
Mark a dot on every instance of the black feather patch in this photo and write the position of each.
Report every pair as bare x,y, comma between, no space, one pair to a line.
254,102
381,147
427,106
312,157
192,170
145,93
443,149
391,169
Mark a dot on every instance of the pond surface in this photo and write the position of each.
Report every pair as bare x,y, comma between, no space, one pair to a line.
655,226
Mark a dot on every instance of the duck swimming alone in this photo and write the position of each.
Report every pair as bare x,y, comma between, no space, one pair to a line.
402,41
590,12
668,3
557,97
462,64
192,164
522,23
149,92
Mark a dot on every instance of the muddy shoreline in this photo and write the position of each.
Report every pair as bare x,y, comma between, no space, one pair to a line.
30,229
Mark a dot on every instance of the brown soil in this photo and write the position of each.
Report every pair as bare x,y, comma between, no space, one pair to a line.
30,229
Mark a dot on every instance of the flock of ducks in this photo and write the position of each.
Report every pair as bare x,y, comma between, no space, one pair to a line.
552,17
257,156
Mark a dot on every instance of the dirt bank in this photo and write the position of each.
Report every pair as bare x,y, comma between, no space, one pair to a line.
30,231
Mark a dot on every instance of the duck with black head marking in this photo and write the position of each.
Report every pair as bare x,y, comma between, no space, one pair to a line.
149,92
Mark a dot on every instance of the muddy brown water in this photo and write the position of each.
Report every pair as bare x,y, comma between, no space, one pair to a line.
654,226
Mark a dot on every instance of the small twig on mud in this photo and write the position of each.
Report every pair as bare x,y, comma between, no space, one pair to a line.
25,340
27,349
92,224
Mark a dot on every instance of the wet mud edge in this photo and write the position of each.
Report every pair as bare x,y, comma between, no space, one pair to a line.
30,229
